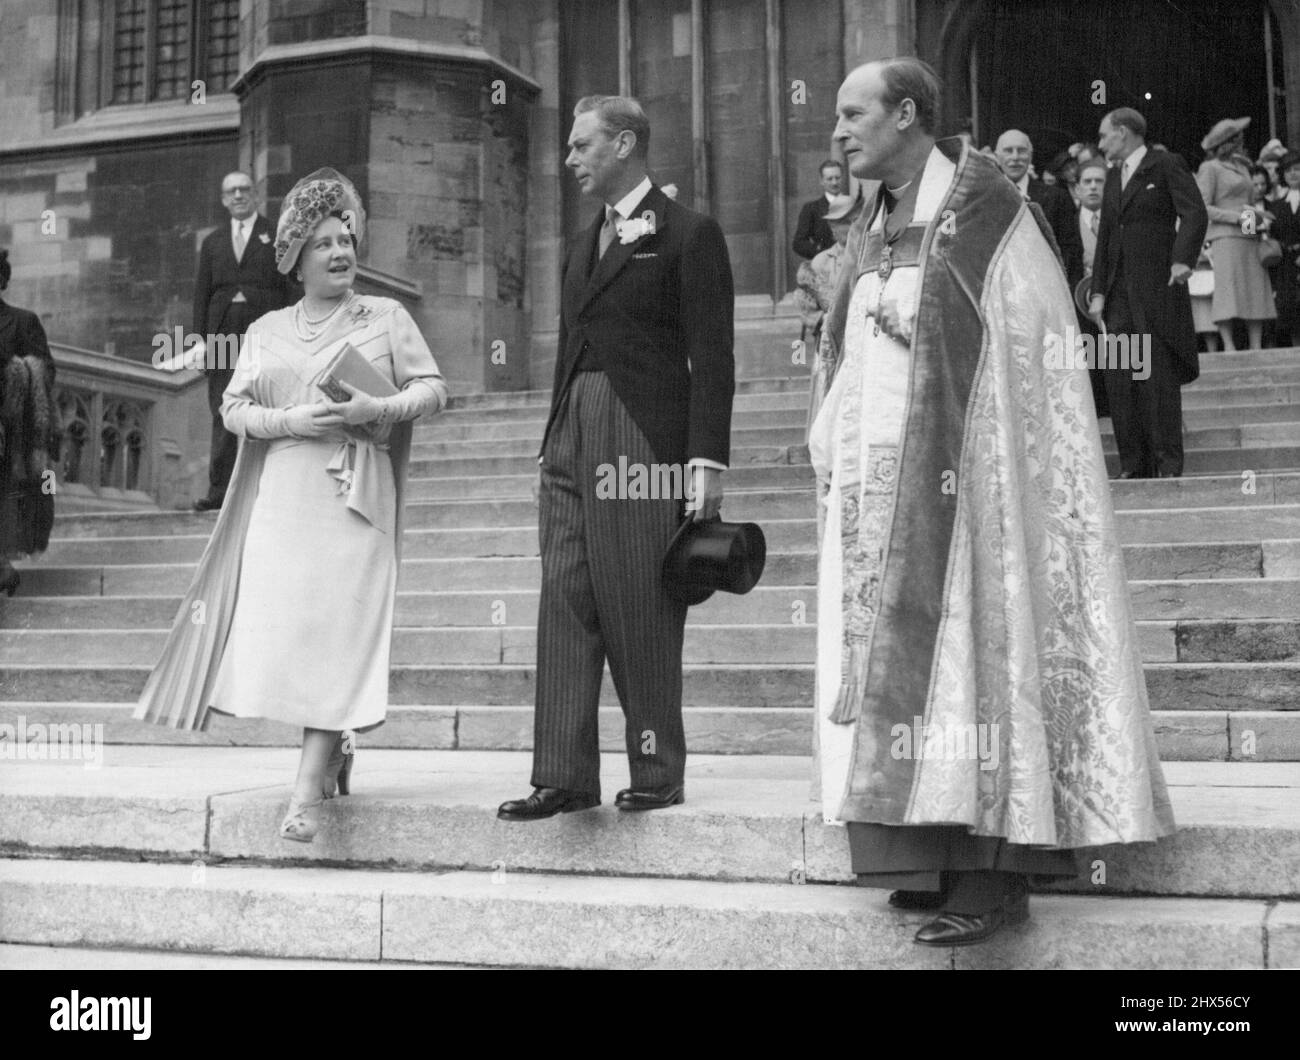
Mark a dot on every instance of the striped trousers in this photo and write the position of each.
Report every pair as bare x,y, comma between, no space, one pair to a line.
602,600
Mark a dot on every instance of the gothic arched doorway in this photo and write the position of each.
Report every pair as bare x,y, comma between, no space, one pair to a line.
1037,65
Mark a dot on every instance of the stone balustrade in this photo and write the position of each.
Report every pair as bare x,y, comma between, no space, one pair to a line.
134,436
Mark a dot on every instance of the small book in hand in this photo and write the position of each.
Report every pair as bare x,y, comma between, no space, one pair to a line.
349,366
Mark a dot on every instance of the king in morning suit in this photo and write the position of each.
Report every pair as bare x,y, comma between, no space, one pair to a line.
644,372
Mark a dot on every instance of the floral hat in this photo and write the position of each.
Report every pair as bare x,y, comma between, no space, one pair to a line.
309,202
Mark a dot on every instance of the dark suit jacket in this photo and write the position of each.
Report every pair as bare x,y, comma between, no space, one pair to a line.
657,314
21,335
220,277
812,234
1063,218
1138,240
24,522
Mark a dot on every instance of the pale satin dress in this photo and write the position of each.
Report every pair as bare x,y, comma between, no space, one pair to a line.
310,635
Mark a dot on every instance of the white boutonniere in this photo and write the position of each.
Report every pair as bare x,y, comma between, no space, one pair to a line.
634,228
263,237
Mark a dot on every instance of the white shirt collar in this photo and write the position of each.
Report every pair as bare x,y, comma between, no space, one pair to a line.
1085,212
1131,163
1023,185
1293,197
628,202
236,225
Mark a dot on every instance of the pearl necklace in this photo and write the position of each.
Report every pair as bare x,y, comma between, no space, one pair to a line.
307,328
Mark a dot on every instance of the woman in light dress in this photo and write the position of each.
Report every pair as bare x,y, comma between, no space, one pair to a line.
1241,287
298,583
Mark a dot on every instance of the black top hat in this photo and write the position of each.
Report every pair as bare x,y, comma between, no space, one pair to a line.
711,555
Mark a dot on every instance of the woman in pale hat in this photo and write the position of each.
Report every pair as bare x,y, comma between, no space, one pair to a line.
297,586
1270,155
1241,286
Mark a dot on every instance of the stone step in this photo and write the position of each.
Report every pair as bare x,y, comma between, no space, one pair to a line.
476,487
1242,522
749,407
1199,642
1224,360
1214,389
528,429
1218,449
1229,490
527,446
461,645
1170,686
1144,563
746,443
427,599
537,920
80,958
1248,736
1228,463
745,818
504,398
748,457
751,504
466,558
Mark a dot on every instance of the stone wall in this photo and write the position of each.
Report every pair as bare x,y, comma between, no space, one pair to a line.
28,61
104,244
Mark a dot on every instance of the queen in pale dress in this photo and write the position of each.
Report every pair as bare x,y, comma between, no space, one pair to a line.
290,614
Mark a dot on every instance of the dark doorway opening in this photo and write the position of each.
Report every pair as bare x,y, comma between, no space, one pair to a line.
1184,64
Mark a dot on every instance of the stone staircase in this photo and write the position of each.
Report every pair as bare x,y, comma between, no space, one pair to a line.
172,846
1214,560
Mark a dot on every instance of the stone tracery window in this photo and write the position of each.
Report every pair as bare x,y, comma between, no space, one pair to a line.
157,49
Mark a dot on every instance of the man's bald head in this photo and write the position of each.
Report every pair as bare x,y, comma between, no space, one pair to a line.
1014,152
887,110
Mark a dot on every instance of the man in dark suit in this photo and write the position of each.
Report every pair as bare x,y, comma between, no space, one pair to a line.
1014,152
236,283
644,378
1153,222
813,234
1090,185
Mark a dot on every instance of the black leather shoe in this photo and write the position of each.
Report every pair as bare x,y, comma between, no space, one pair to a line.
652,798
207,504
546,802
966,929
9,579
917,899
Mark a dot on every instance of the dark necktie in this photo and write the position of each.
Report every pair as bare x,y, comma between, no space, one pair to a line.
607,230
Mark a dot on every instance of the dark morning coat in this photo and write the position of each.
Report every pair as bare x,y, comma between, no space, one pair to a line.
220,277
1063,218
657,314
813,233
29,431
1138,226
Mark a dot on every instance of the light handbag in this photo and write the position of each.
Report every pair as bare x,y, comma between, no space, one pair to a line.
1200,284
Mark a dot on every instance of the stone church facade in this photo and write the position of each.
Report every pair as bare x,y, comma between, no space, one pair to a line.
120,117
